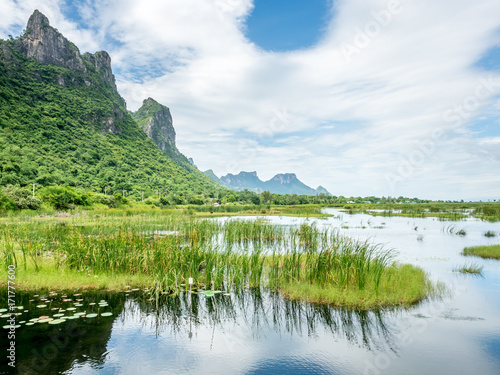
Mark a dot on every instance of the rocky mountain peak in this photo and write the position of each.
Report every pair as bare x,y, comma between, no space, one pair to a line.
156,121
285,178
37,21
102,63
242,173
47,45
150,102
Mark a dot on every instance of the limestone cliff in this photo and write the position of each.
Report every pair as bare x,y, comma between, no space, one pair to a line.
156,121
46,45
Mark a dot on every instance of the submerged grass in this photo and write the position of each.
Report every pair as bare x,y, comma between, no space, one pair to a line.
164,251
491,251
473,268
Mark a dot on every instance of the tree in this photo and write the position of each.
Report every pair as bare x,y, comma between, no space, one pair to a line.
255,199
266,197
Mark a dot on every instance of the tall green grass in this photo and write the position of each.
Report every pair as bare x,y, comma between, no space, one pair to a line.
488,252
167,250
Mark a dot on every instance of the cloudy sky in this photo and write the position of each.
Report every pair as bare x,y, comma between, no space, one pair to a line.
363,97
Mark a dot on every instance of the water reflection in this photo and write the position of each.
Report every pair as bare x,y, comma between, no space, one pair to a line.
259,312
54,349
258,332
87,343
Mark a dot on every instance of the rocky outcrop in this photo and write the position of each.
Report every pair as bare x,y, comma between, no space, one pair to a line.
45,44
102,63
243,180
321,190
156,121
284,178
108,123
48,46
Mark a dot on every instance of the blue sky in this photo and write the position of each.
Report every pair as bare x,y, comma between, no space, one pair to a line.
286,25
363,97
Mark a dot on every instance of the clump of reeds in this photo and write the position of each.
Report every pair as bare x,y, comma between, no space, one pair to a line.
342,263
472,268
488,252
169,249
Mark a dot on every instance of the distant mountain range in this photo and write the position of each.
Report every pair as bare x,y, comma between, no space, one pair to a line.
285,183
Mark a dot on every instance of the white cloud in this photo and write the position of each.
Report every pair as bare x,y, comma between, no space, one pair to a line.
384,101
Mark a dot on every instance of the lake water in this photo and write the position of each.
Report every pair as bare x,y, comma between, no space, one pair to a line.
256,332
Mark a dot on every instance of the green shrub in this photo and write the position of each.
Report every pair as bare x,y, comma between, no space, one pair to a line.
6,203
120,199
196,199
164,201
61,197
20,199
100,198
177,199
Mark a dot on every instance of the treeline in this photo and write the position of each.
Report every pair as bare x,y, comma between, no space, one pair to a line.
15,197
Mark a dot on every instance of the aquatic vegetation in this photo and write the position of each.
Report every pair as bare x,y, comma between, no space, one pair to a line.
399,285
488,211
492,251
162,252
473,268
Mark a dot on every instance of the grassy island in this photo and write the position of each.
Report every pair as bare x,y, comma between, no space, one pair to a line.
162,251
488,252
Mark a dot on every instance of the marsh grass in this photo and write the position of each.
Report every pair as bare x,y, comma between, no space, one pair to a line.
47,277
399,286
163,251
488,252
442,210
472,268
415,211
488,211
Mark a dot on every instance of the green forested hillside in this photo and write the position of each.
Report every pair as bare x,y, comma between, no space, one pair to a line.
70,127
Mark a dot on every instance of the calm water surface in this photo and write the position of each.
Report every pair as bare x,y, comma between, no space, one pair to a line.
257,332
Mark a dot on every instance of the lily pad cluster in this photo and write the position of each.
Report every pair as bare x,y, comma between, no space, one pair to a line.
54,309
